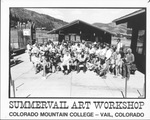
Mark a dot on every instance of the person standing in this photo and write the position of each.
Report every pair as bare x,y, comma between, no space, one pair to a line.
117,63
119,45
129,59
29,48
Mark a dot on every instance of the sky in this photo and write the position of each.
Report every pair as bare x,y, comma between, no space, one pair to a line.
88,15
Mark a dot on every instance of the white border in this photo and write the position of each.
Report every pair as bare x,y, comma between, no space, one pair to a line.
62,3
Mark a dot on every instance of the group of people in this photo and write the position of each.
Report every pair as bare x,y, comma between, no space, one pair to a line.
100,58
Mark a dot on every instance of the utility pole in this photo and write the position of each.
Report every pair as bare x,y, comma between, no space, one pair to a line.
126,87
12,86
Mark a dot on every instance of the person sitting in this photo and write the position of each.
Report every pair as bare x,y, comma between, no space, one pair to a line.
52,61
103,52
98,51
90,62
112,60
36,62
57,62
92,51
73,62
103,69
79,49
65,62
47,63
81,62
97,65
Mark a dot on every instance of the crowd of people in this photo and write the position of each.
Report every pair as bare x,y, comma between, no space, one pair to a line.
100,58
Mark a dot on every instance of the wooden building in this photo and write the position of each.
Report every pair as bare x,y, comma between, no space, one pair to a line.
78,30
137,22
21,35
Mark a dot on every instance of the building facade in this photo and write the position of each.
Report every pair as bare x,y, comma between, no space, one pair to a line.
137,22
78,31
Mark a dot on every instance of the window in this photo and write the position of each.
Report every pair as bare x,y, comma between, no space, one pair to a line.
67,37
140,41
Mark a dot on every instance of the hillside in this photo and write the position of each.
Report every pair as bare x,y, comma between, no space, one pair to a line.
50,23
122,28
41,20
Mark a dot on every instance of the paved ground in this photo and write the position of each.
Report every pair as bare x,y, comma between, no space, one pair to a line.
28,84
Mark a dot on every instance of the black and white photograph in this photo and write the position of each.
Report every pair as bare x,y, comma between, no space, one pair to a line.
77,52
77,59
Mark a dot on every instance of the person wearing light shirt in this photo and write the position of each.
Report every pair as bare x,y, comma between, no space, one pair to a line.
98,51
81,62
108,53
79,49
65,61
119,45
73,47
49,46
103,52
82,46
36,61
92,51
29,48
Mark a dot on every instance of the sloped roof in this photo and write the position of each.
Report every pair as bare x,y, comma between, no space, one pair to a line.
129,15
81,22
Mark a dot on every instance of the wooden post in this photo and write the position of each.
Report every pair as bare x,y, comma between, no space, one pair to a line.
44,70
126,87
144,89
134,39
12,86
30,23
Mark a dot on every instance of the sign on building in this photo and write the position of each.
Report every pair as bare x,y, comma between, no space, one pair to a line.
26,32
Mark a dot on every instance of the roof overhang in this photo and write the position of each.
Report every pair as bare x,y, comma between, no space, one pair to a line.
78,24
137,18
